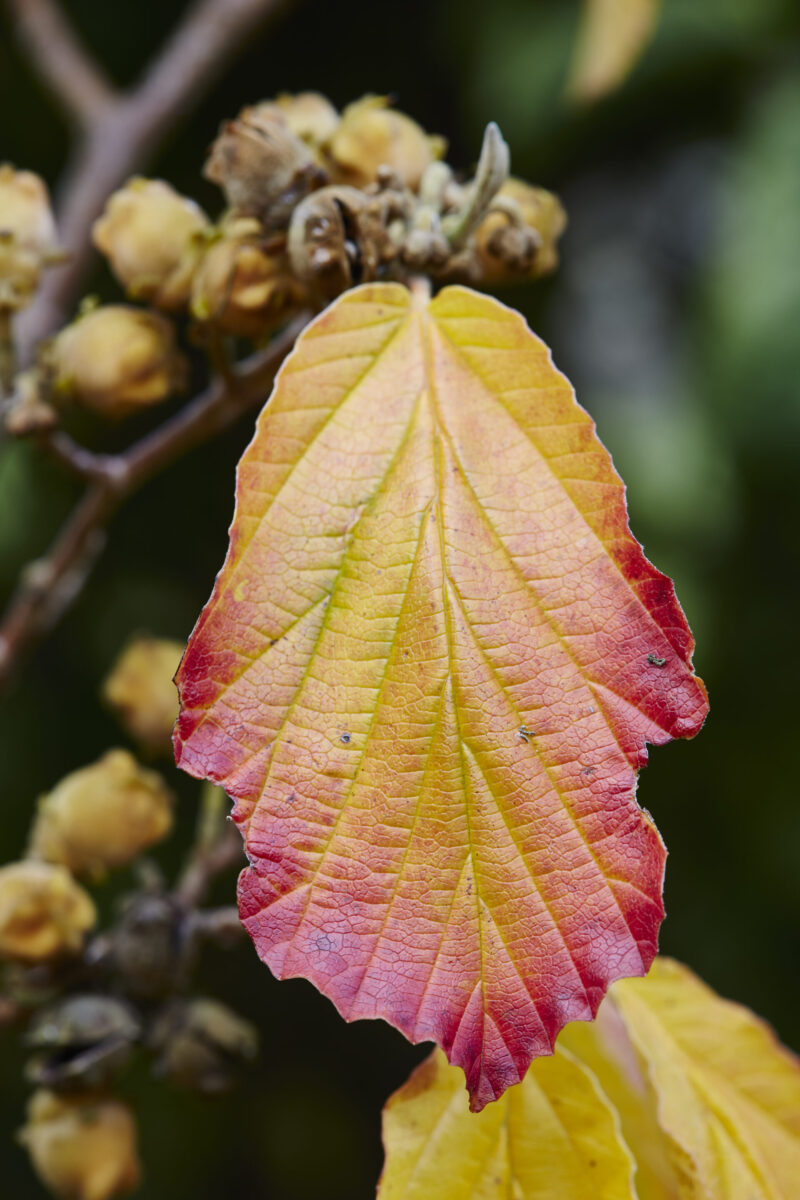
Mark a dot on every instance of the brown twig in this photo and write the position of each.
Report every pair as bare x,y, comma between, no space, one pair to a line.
61,59
217,846
220,925
49,585
226,852
120,129
10,1012
8,355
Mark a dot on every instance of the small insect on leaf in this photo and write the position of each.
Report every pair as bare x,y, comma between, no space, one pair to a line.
425,468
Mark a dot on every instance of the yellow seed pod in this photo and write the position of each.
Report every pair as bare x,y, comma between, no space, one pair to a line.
141,692
102,816
242,287
43,911
150,235
117,360
27,234
518,238
82,1147
372,135
310,116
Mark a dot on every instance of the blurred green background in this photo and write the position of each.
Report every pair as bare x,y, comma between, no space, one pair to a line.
676,313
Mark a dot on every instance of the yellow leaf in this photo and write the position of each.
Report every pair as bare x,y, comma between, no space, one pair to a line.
612,36
727,1092
696,1088
605,1047
553,1135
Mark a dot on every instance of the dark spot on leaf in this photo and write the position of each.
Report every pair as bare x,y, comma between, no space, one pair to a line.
346,739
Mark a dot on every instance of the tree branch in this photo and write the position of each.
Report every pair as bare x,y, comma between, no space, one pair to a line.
62,61
217,846
123,130
50,585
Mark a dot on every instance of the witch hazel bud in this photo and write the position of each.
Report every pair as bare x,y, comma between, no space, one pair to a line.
27,235
117,360
151,237
102,816
82,1147
44,913
372,135
310,116
141,691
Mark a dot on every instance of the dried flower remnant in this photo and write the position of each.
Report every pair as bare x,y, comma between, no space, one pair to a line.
151,236
117,360
103,815
82,1147
201,1045
337,238
244,285
81,1042
263,168
43,912
519,234
141,692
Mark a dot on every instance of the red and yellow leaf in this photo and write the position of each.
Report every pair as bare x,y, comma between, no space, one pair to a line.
427,675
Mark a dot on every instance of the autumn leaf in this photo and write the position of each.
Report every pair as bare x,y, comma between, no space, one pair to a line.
427,675
555,1134
612,36
696,1088
721,1089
